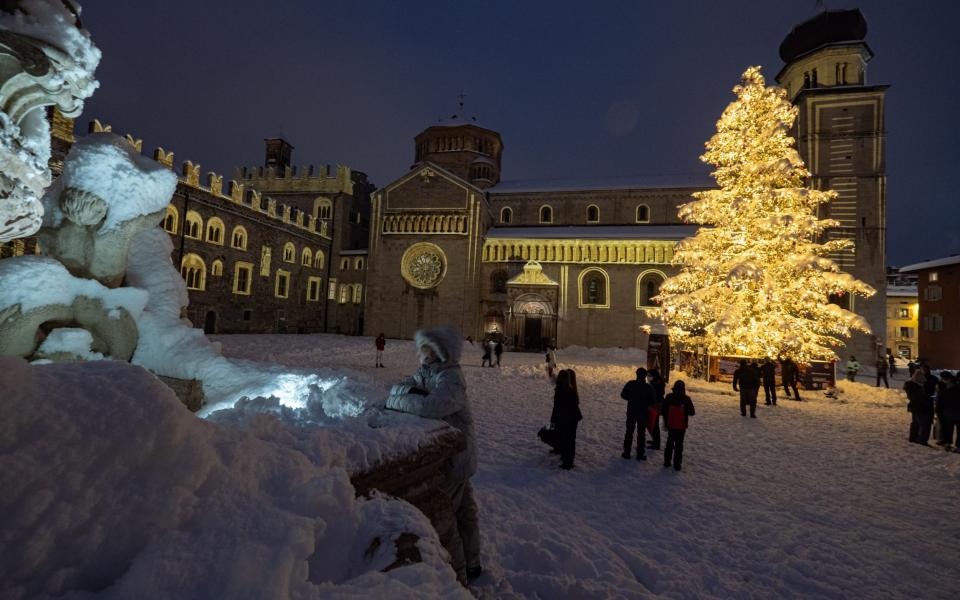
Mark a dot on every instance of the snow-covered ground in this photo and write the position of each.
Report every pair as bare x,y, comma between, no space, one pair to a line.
823,498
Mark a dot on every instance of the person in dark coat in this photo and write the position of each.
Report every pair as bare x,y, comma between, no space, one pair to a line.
381,343
768,374
948,410
747,381
639,396
788,375
653,412
487,353
882,371
677,410
566,416
930,380
498,350
920,405
893,363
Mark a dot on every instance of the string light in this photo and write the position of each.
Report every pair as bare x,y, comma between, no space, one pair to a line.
755,280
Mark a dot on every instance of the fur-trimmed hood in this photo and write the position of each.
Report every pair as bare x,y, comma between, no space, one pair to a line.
444,341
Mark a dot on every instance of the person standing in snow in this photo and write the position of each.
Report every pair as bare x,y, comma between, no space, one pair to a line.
677,410
639,397
853,367
438,390
882,371
498,350
948,410
566,416
893,363
487,353
747,382
653,412
788,376
768,373
920,406
930,380
381,343
551,358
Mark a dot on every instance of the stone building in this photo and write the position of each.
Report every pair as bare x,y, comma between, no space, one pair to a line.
938,292
902,312
841,136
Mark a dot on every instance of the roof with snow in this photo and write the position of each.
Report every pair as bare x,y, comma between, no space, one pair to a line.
595,232
902,291
930,264
698,181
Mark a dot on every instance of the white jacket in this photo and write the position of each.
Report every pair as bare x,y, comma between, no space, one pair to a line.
446,397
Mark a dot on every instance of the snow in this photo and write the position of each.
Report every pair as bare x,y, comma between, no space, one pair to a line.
33,281
106,165
823,498
519,186
930,264
52,22
598,232
69,340
112,489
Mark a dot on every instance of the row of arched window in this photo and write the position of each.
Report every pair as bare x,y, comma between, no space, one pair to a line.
642,214
193,269
357,263
594,284
214,233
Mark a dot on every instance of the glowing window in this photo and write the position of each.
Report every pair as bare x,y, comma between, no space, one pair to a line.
194,272
314,289
357,293
306,257
648,287
546,214
506,214
594,289
171,220
242,278
593,214
194,226
215,229
643,213
358,263
216,269
282,286
344,264
239,238
322,208
289,252
344,293
318,259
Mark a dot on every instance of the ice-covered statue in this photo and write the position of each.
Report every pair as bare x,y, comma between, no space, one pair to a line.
107,193
46,59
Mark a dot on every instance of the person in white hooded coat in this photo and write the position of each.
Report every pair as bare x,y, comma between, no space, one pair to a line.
438,391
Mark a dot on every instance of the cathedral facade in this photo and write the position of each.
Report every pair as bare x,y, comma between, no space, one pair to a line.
577,263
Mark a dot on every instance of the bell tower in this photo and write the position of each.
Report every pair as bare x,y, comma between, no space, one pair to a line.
841,136
463,147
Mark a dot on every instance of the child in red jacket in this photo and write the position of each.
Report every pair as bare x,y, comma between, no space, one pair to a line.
677,410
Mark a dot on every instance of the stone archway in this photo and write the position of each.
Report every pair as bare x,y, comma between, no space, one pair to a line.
210,322
533,322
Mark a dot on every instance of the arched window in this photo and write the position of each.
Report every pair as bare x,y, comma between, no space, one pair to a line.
318,260
194,272
289,252
238,239
306,257
648,288
498,281
322,208
344,264
215,229
357,293
216,268
546,214
643,213
358,263
593,214
171,220
594,289
194,228
506,214
344,293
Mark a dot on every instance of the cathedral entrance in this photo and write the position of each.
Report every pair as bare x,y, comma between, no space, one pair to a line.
533,323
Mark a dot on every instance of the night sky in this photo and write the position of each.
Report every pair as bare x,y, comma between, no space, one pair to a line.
576,89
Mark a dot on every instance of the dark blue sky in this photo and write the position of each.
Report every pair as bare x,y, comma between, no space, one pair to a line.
576,89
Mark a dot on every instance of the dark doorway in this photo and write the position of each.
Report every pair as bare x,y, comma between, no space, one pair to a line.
532,332
210,322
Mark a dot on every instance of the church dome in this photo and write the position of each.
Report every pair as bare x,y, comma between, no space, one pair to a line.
828,27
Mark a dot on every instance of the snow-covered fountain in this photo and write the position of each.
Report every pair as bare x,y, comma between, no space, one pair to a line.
87,327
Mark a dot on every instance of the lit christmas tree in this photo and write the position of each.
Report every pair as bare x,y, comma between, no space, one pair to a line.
754,280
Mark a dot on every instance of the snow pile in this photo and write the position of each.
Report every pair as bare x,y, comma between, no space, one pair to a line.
116,498
34,281
108,167
71,341
52,22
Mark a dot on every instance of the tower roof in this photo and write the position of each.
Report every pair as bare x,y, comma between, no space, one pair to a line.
828,27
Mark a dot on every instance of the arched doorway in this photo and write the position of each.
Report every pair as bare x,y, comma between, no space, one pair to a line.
210,322
533,322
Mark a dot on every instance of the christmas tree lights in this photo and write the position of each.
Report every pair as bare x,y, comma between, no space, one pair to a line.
755,280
